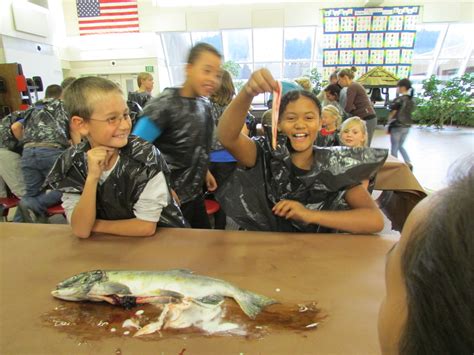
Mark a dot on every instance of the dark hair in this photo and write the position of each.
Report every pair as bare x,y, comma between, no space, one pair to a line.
66,82
347,72
294,95
438,268
333,89
198,49
333,75
53,92
407,85
83,94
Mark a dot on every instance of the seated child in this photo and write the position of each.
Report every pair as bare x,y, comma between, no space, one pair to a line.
297,186
329,134
428,306
354,134
112,182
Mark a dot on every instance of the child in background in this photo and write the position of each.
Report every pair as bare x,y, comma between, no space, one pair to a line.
400,119
332,95
180,124
354,132
145,84
223,163
329,134
428,307
112,182
296,187
46,134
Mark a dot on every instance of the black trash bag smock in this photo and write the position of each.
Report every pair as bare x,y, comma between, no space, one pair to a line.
139,162
186,137
47,122
249,195
328,140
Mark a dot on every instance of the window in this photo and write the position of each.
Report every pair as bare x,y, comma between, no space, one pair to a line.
427,37
238,45
299,43
268,44
177,45
458,41
447,68
212,38
470,65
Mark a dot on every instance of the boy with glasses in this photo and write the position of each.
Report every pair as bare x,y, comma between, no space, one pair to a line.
112,182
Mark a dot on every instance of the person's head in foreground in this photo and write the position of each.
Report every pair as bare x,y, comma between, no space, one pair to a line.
299,119
429,302
331,118
98,111
354,132
145,82
203,71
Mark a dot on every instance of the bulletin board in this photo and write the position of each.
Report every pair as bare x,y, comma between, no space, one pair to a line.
369,37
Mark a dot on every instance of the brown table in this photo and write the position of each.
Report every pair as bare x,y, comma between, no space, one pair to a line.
401,191
343,273
396,176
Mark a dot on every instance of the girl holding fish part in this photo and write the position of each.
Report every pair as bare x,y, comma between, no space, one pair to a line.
295,186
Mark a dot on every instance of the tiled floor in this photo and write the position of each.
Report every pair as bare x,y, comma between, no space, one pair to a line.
432,151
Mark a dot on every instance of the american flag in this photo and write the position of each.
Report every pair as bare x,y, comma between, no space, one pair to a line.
107,16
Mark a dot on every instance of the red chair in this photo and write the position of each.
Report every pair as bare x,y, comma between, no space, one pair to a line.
6,203
211,206
56,209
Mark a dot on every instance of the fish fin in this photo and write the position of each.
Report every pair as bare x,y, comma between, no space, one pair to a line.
212,300
252,303
110,288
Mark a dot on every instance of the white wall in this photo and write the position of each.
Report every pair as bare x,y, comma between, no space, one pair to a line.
36,59
38,54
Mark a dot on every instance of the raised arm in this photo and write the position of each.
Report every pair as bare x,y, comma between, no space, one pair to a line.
230,124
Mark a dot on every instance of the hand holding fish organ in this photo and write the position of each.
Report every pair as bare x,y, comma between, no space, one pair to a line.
129,288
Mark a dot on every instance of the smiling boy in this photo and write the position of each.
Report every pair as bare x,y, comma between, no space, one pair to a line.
112,182
180,124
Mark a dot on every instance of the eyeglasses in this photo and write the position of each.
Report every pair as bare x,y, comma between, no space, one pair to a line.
114,121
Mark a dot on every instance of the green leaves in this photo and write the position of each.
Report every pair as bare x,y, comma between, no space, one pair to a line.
448,102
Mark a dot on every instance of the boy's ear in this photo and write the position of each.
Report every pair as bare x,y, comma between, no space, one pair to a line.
79,125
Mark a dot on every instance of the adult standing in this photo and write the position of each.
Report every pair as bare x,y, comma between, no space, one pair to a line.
358,102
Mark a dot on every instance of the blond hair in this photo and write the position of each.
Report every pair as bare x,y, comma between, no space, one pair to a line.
223,96
304,82
351,122
143,76
332,110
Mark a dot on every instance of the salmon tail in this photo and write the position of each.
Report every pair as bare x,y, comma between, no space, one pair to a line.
252,304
